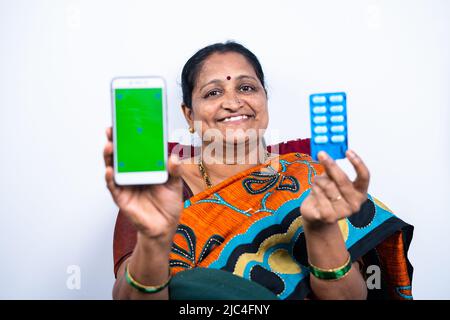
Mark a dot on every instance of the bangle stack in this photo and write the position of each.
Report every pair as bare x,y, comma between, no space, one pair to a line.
331,274
143,288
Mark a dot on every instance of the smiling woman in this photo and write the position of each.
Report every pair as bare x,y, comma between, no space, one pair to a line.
280,227
219,97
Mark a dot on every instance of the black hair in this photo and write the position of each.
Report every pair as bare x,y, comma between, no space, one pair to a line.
194,64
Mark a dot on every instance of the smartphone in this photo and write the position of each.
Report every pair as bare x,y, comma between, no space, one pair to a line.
139,117
329,124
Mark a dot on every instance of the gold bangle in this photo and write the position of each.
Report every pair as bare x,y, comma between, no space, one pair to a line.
143,288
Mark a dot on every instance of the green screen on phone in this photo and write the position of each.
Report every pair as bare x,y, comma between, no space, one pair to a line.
139,130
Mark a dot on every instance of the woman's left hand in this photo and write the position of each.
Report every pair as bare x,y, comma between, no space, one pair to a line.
333,195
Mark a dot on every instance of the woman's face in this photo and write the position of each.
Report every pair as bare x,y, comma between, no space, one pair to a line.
228,96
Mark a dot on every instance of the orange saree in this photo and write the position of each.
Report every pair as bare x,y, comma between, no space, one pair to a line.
250,225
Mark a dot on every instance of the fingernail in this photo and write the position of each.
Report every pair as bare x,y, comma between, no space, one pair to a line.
322,155
351,153
174,159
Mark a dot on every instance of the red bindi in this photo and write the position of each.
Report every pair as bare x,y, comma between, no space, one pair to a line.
228,78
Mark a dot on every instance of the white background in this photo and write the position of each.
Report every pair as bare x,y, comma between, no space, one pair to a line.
56,62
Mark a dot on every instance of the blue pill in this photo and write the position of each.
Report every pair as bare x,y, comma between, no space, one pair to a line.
335,109
335,119
320,120
337,139
320,129
337,129
321,139
319,99
336,98
320,110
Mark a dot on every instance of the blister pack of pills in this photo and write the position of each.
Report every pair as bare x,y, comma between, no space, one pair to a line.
328,124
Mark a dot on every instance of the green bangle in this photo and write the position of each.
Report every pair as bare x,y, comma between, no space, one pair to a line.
331,274
143,288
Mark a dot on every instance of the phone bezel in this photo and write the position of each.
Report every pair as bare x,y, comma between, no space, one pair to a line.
144,177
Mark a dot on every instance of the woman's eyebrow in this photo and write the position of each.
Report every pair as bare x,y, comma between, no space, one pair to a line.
243,76
208,83
240,77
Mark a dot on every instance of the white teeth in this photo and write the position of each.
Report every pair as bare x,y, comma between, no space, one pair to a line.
235,118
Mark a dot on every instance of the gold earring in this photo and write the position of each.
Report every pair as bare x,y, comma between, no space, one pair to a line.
191,130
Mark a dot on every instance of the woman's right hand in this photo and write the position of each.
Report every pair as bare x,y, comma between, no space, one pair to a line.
154,209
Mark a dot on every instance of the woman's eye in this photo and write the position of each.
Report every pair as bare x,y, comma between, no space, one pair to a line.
212,93
246,88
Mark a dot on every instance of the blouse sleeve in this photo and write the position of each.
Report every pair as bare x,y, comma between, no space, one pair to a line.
125,237
125,234
297,145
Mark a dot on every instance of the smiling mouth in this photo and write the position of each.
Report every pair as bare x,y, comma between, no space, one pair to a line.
236,118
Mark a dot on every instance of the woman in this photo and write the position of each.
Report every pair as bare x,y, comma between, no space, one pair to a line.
294,227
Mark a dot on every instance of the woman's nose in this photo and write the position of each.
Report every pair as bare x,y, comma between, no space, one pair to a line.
232,102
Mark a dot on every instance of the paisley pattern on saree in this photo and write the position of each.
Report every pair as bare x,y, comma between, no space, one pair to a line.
251,225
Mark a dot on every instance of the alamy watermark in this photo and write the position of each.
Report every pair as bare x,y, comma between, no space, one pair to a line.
231,146
373,280
73,281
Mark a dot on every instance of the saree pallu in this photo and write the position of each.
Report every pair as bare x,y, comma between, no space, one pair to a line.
250,225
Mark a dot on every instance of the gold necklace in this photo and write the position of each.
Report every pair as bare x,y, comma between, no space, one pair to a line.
205,175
